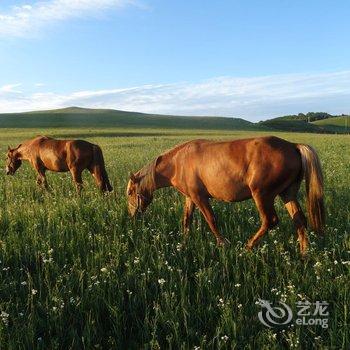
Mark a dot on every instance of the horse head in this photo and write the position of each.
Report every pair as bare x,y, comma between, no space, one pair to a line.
139,196
13,161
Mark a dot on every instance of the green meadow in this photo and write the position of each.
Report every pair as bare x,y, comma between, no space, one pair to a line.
77,273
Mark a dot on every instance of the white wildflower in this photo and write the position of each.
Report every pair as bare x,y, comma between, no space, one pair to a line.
4,317
161,281
224,338
221,302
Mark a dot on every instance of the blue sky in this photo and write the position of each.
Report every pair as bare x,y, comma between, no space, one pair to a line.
250,59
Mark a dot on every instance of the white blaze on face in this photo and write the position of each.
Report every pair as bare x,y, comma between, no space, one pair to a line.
132,198
8,163
128,188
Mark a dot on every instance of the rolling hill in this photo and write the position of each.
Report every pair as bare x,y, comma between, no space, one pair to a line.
335,124
75,117
292,125
315,122
104,118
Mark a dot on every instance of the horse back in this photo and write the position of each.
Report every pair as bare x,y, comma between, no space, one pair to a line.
230,170
61,155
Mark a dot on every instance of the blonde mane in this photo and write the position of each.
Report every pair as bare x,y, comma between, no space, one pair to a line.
147,174
147,177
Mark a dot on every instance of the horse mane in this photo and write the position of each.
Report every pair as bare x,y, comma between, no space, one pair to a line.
147,176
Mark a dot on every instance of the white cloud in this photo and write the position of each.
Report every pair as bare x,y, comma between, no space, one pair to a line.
253,98
10,88
28,19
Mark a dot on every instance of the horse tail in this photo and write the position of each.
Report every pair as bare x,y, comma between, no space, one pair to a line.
99,166
314,186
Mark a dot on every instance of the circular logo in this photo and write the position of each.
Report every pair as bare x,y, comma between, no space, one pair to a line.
274,316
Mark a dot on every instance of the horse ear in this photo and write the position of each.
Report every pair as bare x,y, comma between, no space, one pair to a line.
8,148
132,177
159,158
19,146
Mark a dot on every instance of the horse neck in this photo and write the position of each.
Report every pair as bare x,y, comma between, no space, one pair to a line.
23,152
157,174
163,171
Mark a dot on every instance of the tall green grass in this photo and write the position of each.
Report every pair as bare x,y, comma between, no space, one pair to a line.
77,273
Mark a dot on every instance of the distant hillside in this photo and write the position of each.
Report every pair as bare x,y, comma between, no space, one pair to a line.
102,118
336,124
309,117
292,125
75,117
316,122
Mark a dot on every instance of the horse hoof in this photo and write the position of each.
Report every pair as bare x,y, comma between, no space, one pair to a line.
303,256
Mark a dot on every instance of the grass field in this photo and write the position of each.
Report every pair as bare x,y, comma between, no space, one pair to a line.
77,273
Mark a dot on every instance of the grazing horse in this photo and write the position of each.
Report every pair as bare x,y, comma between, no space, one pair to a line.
232,171
45,153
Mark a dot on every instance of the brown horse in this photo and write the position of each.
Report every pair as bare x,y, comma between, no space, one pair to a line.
259,168
45,153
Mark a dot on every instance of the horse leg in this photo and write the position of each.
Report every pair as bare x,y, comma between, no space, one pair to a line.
41,181
299,221
41,178
293,207
76,174
188,215
207,211
268,217
96,174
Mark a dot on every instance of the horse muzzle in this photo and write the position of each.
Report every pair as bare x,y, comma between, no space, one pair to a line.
132,210
135,211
